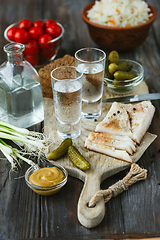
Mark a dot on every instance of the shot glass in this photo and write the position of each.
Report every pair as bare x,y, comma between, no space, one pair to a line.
67,94
91,61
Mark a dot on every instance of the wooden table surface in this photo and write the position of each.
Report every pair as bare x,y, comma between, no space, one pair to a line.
134,213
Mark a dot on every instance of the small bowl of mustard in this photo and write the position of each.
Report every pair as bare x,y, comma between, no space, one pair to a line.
46,180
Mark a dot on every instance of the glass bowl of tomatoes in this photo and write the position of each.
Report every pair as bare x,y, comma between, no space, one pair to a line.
42,39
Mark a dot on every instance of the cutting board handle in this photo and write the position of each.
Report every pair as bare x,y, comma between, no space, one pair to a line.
90,217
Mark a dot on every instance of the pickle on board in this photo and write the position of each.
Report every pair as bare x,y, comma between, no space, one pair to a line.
120,75
61,150
77,159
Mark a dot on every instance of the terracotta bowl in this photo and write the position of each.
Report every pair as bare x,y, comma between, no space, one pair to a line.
116,38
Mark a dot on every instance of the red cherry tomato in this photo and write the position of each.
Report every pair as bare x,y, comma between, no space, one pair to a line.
10,33
44,39
35,32
49,21
31,47
39,23
32,59
54,30
25,24
21,36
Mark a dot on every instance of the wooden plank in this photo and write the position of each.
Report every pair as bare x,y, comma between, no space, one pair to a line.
133,214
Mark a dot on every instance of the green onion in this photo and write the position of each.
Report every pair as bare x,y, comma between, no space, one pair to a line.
21,139
7,153
17,129
33,143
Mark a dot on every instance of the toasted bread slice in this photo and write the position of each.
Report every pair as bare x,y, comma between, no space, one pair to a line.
47,92
45,72
46,82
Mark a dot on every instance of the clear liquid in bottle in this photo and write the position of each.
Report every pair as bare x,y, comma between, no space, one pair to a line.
21,100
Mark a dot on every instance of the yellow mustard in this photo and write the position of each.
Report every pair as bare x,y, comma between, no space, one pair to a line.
47,176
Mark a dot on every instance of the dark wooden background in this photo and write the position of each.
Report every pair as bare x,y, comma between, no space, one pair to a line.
133,214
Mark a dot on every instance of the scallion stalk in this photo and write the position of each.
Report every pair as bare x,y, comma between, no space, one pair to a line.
14,128
36,143
33,143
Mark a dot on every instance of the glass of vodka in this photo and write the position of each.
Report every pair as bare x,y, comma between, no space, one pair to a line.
91,61
67,93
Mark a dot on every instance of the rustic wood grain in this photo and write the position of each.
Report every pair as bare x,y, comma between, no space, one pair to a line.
134,214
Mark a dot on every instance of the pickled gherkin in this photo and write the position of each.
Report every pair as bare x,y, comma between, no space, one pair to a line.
61,150
106,73
125,66
113,57
113,67
120,75
118,84
77,159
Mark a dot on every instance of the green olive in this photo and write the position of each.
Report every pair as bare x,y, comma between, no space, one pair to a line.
113,57
120,75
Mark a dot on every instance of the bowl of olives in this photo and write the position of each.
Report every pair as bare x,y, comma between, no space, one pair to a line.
121,74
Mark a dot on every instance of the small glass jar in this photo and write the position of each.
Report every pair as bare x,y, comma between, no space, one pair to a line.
46,190
21,99
128,84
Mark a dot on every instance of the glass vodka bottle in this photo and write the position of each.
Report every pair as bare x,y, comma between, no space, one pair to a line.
21,99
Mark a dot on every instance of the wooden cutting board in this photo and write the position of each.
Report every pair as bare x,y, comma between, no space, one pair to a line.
102,166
